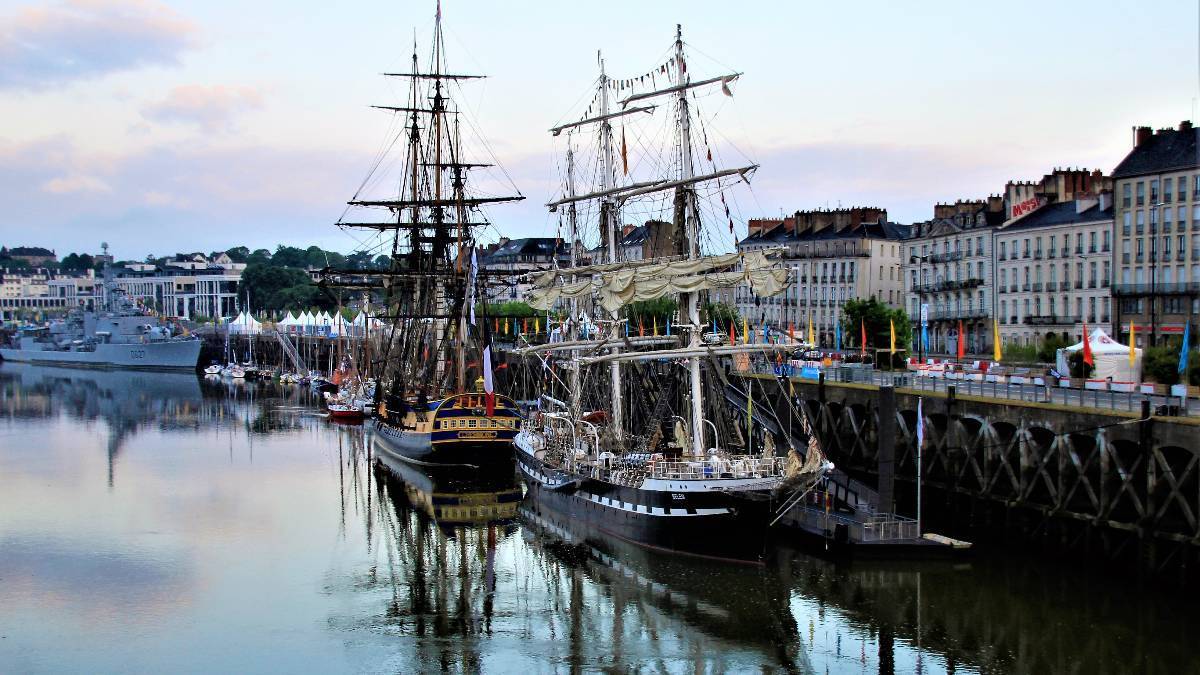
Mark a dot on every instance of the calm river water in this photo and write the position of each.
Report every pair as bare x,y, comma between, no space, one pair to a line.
163,523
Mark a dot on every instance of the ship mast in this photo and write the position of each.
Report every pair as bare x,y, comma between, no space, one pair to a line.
691,247
609,229
572,232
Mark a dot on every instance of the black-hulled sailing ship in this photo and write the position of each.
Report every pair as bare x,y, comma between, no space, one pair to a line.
670,470
436,403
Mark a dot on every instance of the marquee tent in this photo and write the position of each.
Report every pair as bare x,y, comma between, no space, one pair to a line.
1111,358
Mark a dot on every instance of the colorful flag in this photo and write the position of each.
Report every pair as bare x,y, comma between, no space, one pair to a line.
920,425
745,330
995,340
892,326
624,153
656,326
641,328
537,325
792,331
488,385
837,335
1132,341
962,341
766,333
1087,346
669,326
862,336
732,333
1183,349
812,335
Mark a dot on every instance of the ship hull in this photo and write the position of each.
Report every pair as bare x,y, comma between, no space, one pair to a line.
704,523
174,355
437,448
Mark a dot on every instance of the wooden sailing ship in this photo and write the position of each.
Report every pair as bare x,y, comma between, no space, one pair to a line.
429,407
658,473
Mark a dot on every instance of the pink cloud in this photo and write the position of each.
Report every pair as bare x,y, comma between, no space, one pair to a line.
47,46
211,107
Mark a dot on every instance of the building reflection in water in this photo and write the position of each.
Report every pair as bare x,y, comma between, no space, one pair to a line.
129,401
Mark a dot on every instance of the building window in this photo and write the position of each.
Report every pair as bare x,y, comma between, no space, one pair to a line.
1168,186
1141,223
1127,196
1003,254
1154,191
1141,193
1196,187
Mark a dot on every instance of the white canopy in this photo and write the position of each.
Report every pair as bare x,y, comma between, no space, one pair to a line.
1111,358
245,324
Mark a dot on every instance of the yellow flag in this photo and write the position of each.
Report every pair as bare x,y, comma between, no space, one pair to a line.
537,324
995,340
892,327
1132,341
656,326
505,324
812,335
745,331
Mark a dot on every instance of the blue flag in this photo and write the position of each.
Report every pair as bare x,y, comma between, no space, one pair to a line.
766,333
1183,351
837,335
668,325
924,338
715,326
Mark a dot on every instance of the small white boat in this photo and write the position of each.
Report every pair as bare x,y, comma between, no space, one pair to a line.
214,369
237,373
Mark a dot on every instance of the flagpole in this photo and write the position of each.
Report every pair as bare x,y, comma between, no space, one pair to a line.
920,442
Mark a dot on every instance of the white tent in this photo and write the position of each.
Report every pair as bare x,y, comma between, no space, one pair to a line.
245,324
1111,358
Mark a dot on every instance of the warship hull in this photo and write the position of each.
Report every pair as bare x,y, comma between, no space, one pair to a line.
168,355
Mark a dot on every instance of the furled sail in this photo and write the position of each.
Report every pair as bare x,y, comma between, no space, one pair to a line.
617,285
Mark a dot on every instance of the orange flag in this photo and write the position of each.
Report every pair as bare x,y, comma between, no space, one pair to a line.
732,334
862,337
624,153
641,329
962,341
791,331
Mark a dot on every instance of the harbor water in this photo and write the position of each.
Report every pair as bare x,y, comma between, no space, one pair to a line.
161,522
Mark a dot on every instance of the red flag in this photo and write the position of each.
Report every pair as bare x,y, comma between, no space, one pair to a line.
962,341
641,329
862,337
624,153
732,333
791,331
1087,346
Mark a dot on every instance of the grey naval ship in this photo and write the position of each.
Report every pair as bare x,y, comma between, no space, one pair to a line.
122,336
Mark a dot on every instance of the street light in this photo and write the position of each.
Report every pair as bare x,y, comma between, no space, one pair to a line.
1154,278
920,260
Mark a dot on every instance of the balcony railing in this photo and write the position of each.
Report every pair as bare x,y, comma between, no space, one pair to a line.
1064,285
946,257
1051,320
1037,287
1025,286
1064,250
1037,255
947,314
948,285
1160,288
1051,253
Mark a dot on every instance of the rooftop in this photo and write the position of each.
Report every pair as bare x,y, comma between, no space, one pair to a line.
1162,150
1060,213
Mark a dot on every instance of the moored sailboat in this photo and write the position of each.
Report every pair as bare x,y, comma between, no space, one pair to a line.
652,476
427,409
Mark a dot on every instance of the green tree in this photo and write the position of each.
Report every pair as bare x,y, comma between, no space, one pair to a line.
875,316
276,288
647,312
1161,364
723,313
1048,352
289,256
260,256
238,254
359,260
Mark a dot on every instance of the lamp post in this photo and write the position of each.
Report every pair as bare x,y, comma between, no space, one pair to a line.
920,288
1154,280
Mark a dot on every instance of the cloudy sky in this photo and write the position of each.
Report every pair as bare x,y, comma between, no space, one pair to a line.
161,127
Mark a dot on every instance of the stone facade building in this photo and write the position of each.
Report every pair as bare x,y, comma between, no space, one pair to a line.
834,255
1053,270
948,267
1157,220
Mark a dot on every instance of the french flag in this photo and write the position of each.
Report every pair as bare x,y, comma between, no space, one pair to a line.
489,386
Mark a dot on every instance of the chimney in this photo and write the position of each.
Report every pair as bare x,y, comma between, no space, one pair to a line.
1105,200
1141,135
625,230
1185,125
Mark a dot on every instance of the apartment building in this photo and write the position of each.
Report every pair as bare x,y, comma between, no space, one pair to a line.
26,291
947,268
1157,217
1053,269
513,257
834,255
186,286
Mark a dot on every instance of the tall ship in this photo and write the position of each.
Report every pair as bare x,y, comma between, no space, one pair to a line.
436,402
121,335
641,443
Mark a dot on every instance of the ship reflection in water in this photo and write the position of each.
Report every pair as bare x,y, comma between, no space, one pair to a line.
158,522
